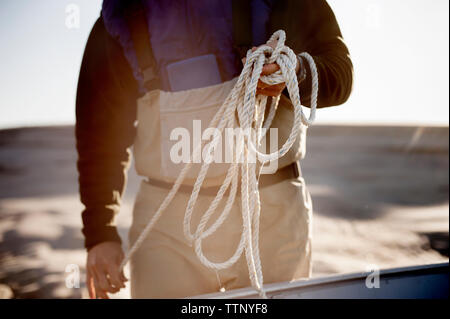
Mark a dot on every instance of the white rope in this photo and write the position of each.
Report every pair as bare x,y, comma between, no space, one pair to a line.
250,110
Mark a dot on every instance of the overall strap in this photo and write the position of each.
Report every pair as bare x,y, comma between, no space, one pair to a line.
137,24
242,26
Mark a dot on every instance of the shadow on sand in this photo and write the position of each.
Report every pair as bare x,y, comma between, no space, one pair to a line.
353,173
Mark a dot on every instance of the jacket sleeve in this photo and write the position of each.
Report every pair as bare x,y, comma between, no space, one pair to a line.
105,116
311,27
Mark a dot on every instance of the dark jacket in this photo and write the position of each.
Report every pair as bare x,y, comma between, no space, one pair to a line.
107,94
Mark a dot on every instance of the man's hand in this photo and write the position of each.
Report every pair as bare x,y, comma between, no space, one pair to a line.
102,270
270,90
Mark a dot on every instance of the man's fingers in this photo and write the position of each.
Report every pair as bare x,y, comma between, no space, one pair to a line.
90,284
279,86
262,85
99,292
269,91
266,70
102,281
114,277
103,295
104,265
119,260
122,277
270,68
266,93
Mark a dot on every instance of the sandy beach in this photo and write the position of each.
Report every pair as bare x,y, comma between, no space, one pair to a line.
380,197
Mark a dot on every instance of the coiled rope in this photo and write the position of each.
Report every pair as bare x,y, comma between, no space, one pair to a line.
250,112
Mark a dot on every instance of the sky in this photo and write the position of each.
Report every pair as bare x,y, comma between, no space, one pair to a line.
399,48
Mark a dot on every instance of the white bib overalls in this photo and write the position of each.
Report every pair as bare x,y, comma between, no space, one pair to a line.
165,266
